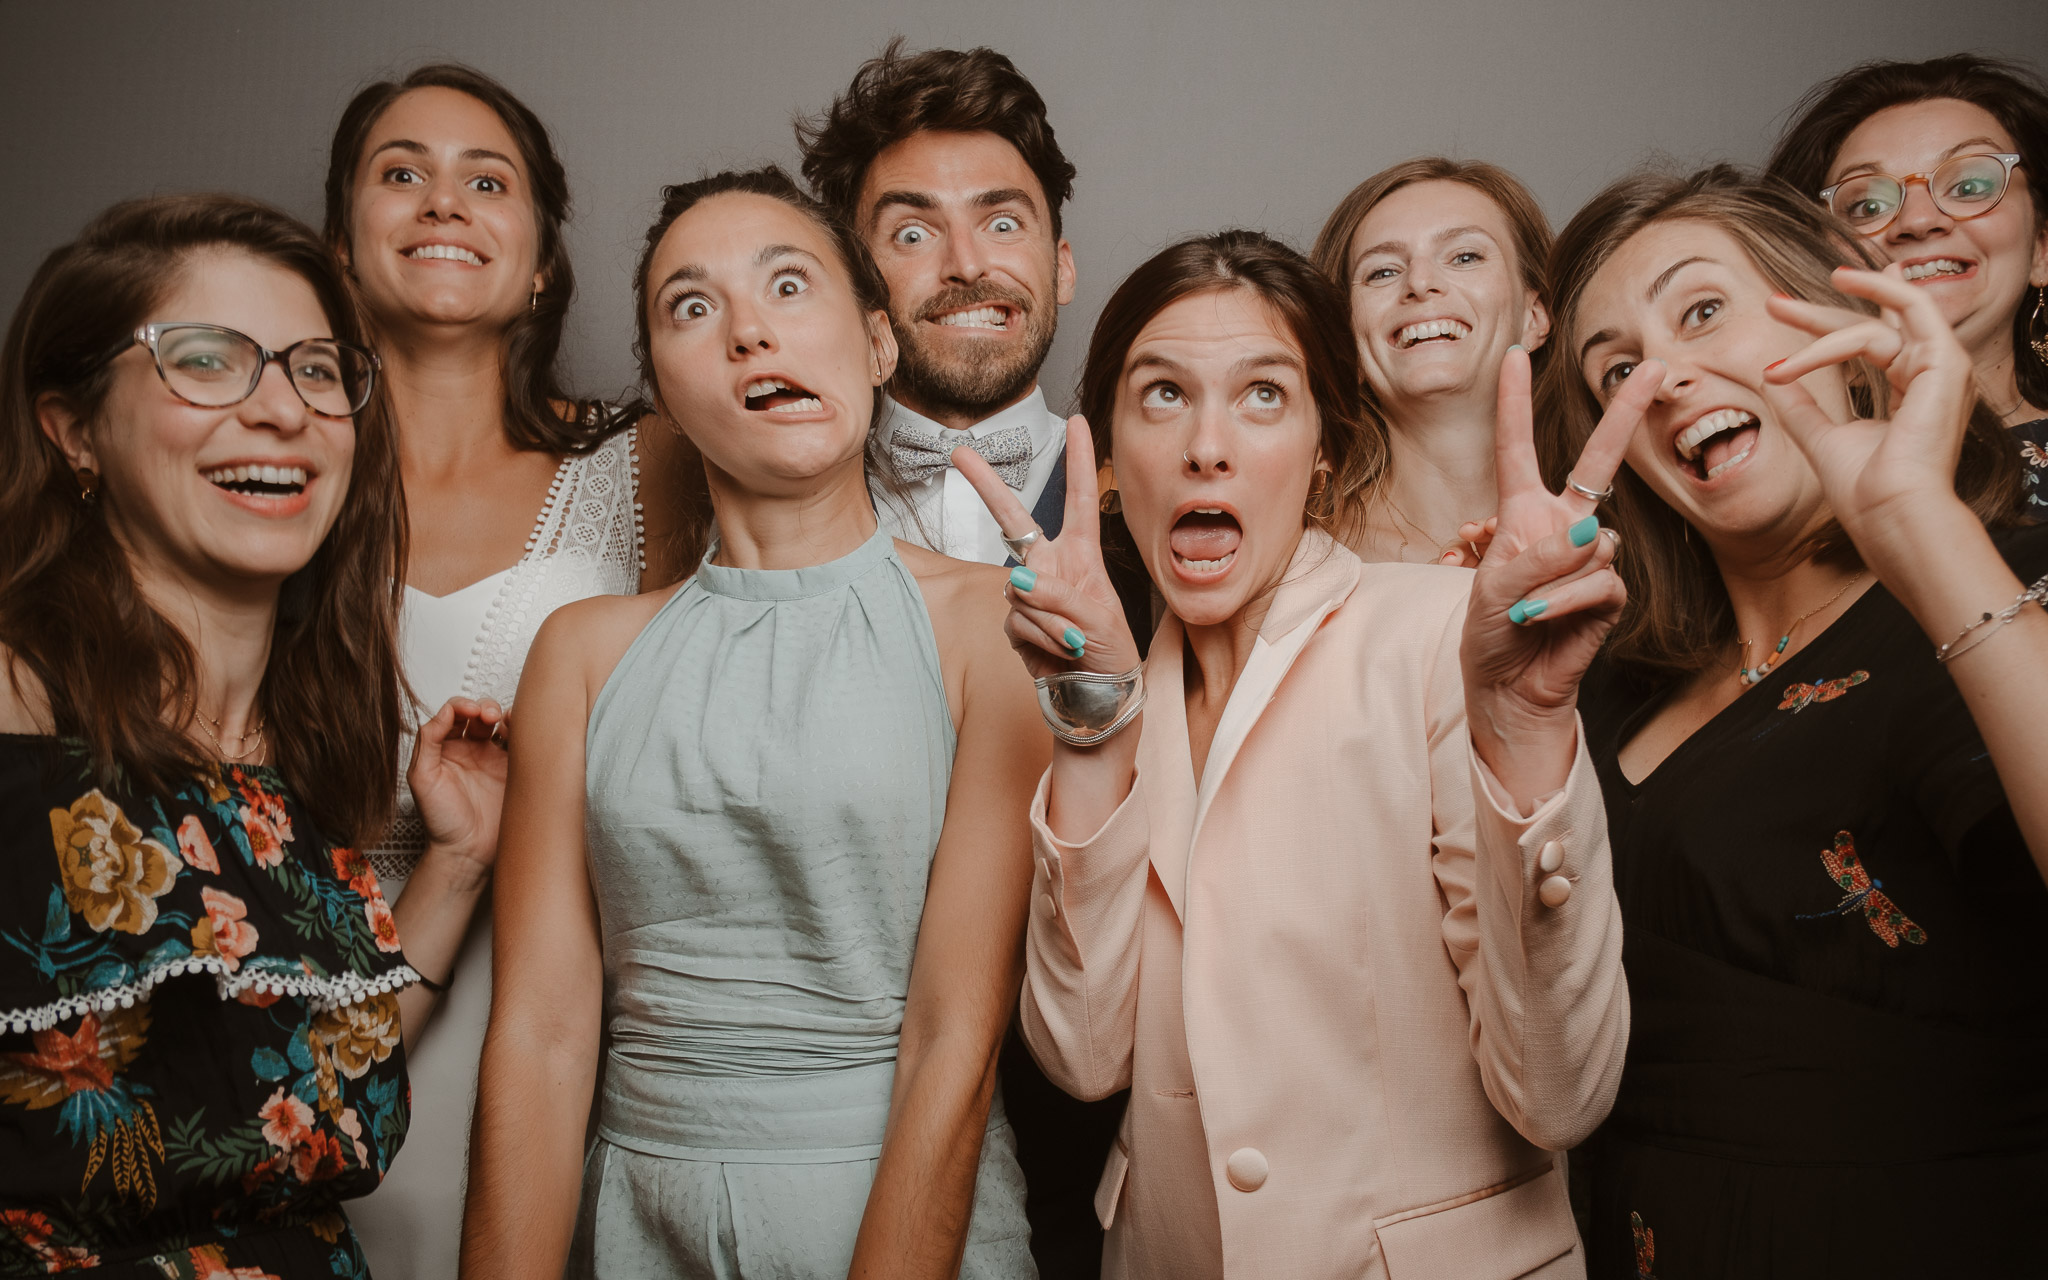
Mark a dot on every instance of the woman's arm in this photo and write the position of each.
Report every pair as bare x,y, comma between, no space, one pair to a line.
1892,485
540,1055
458,782
965,974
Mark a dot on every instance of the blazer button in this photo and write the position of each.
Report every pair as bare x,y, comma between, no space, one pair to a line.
1246,1168
1551,857
1045,868
1047,906
1554,892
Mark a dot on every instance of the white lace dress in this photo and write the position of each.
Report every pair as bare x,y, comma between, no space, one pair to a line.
473,642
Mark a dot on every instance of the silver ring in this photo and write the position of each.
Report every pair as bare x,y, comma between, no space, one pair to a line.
1190,461
1591,495
1022,543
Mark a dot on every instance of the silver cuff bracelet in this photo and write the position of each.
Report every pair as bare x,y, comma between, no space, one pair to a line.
1084,708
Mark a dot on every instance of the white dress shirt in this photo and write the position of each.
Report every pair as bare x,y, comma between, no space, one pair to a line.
955,522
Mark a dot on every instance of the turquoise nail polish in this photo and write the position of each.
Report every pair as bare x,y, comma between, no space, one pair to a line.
1585,531
1516,347
1522,610
1023,579
1074,639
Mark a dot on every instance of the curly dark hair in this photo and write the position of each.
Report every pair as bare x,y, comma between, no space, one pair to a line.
533,342
896,95
2012,94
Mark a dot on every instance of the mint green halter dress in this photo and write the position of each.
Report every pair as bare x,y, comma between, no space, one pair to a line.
766,784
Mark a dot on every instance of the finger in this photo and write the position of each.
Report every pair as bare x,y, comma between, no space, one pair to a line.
1596,594
1056,627
1873,340
1816,318
1083,516
1602,553
1514,436
1024,631
1605,448
1554,558
1919,315
999,498
1801,416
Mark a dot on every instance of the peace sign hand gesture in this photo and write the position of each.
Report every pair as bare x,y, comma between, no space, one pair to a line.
1880,477
1064,613
1546,594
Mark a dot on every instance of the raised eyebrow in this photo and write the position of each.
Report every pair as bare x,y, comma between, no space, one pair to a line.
1384,246
1006,195
688,273
1872,166
1663,281
771,252
1455,232
480,153
1605,335
1269,360
398,144
1163,363
919,200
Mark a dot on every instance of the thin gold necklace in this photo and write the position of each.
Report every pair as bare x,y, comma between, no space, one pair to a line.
1755,675
209,726
1402,517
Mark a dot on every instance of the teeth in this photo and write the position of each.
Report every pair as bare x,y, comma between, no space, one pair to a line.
452,252
805,405
257,475
978,318
1415,333
1690,439
1938,267
1208,566
766,386
1208,511
1731,462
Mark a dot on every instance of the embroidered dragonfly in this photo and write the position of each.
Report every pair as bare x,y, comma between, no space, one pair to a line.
1801,696
1846,869
1646,1246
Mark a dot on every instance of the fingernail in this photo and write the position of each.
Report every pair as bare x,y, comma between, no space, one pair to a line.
1774,364
1517,347
1585,531
1075,640
1522,610
1023,579
1782,297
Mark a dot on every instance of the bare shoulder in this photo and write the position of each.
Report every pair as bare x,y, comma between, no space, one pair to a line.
584,640
24,708
959,593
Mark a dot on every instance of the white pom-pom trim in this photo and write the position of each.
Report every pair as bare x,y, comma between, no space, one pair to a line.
322,994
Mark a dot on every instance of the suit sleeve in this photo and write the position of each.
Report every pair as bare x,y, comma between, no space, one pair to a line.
1080,1004
1533,925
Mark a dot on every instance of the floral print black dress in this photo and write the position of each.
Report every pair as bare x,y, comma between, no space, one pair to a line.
199,1038
2032,438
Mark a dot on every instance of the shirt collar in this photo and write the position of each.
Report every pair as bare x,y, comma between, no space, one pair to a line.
1028,413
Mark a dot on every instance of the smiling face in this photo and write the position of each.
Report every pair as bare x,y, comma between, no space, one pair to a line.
1436,295
442,226
959,226
1976,268
236,498
1686,292
1218,379
759,346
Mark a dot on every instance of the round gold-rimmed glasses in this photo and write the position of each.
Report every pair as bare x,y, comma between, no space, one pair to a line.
1962,187
213,366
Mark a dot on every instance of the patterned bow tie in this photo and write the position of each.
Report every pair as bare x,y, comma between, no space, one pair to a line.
920,454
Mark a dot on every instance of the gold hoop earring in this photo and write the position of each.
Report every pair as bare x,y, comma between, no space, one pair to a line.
88,485
2037,333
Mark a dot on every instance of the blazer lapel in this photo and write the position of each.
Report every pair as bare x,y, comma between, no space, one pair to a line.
1166,763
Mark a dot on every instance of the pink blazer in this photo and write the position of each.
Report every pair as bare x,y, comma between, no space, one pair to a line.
1353,1033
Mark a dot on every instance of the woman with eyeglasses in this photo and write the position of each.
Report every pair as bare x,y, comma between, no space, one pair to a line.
447,205
1818,726
1943,167
202,996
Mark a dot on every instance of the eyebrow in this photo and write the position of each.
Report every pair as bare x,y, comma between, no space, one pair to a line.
771,252
1657,286
1394,246
1005,195
1871,166
690,272
911,199
419,149
1257,360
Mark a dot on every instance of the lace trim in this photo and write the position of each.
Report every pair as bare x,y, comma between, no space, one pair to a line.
322,993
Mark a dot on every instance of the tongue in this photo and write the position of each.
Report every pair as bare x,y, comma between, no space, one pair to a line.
1200,537
1725,446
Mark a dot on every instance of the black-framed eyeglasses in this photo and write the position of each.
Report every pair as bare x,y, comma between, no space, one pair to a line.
1963,187
213,366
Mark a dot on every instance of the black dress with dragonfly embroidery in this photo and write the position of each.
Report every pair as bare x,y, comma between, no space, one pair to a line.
1836,944
199,1050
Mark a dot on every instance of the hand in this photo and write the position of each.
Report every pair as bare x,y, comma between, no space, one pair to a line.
1474,537
458,780
1063,586
1546,594
1877,475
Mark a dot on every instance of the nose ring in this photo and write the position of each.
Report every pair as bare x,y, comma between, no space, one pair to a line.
1185,458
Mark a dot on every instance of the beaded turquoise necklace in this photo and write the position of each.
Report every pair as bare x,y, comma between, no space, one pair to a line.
1755,675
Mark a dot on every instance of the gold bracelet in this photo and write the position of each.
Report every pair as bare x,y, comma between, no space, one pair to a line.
2037,594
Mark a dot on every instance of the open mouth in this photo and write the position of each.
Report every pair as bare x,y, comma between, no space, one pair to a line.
1204,542
1936,269
444,252
1415,335
1716,442
779,395
259,481
983,317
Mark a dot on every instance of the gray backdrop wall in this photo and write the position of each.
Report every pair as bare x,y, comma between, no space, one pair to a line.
1182,115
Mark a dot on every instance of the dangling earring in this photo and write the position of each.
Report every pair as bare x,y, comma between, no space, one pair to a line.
533,303
1112,502
88,485
2038,332
1321,504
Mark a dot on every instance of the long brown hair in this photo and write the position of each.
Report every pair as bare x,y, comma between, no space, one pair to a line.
118,674
2008,91
1679,620
532,344
1354,441
870,293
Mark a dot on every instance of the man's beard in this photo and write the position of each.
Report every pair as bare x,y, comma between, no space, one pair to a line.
971,385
